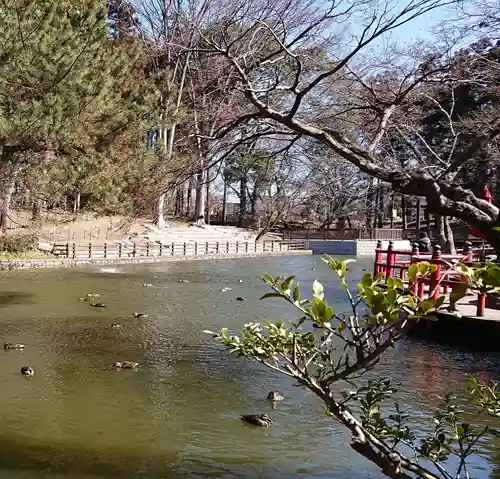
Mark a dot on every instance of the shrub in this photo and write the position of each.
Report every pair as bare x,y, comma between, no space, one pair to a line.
18,242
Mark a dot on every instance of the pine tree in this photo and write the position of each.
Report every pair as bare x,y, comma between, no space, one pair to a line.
66,85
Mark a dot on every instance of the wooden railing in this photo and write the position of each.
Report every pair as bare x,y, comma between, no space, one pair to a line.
348,234
134,250
395,263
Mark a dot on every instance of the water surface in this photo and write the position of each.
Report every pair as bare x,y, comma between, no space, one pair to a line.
177,416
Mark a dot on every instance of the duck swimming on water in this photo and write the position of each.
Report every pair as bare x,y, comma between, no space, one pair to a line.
262,420
276,396
11,346
27,371
125,365
140,315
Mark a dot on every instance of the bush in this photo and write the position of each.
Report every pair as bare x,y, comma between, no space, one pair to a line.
18,242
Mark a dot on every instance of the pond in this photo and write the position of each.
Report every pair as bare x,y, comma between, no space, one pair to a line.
177,416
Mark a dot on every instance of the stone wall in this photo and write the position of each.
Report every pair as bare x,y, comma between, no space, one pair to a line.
10,265
352,247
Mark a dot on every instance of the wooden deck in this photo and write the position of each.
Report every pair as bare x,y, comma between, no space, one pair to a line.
466,330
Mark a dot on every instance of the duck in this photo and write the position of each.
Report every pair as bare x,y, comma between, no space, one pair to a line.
182,281
262,420
116,325
98,305
125,365
140,315
241,298
276,396
93,295
147,285
27,371
17,346
223,290
240,281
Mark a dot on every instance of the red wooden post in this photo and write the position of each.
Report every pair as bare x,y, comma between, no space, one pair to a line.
391,259
378,258
434,289
481,305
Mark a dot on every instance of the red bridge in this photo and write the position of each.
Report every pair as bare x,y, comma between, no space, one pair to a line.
395,263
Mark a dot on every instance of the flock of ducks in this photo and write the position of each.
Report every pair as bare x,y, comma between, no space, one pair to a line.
262,420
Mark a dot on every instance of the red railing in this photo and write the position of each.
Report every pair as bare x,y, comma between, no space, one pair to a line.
395,263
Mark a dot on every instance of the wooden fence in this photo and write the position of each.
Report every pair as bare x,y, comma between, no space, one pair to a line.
348,234
209,248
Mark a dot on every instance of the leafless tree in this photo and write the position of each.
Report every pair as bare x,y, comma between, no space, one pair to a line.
316,78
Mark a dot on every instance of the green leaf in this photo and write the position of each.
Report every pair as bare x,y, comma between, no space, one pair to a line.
413,272
367,279
426,305
268,279
391,297
271,295
458,291
318,289
296,293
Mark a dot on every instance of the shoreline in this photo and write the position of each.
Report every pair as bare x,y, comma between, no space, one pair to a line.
24,264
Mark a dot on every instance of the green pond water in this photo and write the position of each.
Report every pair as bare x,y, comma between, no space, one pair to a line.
178,415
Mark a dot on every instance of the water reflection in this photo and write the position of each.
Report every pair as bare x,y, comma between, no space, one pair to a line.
177,416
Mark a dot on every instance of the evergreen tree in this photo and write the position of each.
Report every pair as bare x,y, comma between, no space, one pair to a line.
66,87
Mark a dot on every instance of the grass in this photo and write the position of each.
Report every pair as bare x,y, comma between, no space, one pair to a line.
26,255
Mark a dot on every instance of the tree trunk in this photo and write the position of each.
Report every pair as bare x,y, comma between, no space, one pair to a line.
8,181
243,200
391,211
419,220
380,206
403,212
224,203
76,202
160,221
207,198
199,207
445,234
35,211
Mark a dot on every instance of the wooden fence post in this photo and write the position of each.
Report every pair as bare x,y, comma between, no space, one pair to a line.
74,250
134,251
206,247
120,248
236,247
161,249
217,247
184,249
196,248
173,248
105,250
67,250
246,246
272,246
147,248
90,250
227,247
